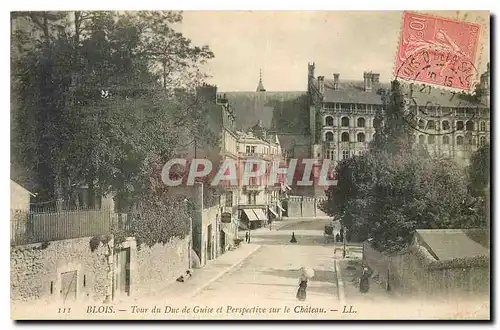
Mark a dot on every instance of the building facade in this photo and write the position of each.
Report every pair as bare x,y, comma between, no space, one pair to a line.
258,199
342,114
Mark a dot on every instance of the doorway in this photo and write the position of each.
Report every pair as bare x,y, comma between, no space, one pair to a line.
222,240
122,272
209,242
69,286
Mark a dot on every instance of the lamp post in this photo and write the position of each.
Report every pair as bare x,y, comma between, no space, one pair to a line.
344,239
190,214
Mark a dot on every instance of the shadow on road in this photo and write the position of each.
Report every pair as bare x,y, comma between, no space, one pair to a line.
319,275
303,240
320,290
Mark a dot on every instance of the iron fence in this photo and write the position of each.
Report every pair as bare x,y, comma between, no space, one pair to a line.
36,227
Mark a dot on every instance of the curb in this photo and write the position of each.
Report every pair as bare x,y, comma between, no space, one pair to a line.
340,283
222,273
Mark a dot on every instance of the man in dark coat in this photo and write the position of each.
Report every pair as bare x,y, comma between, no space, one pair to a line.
293,240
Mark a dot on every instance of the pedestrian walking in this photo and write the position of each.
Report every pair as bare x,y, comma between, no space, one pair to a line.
246,237
293,240
364,283
305,274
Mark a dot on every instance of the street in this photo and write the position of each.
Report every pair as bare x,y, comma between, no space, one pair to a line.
269,279
270,276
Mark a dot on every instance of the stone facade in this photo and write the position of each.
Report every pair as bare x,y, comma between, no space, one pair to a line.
343,112
36,271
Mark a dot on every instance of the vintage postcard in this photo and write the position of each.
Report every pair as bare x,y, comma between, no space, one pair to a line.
250,165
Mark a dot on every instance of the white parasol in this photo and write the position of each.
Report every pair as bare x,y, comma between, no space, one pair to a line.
307,272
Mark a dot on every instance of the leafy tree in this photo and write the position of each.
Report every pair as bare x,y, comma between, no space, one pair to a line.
91,107
388,192
478,182
479,170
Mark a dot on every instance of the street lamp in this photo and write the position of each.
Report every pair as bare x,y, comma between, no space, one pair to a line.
344,239
190,214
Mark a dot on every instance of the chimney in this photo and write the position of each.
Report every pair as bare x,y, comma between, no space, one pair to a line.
321,84
336,81
368,81
221,98
310,69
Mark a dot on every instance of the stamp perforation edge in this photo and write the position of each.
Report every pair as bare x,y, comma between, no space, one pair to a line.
483,37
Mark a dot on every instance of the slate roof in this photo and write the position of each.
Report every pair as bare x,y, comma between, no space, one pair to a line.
246,112
290,140
446,244
352,91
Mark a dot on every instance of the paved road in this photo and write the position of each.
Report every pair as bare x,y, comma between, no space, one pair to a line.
270,276
307,224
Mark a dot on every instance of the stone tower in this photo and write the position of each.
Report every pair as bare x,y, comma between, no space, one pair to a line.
484,87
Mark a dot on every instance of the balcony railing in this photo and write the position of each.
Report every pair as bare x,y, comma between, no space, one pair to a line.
258,155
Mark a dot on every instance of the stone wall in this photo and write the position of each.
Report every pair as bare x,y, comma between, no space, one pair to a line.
303,206
406,273
308,207
36,270
154,267
294,205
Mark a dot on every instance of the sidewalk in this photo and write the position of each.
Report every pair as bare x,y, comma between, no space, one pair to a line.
202,277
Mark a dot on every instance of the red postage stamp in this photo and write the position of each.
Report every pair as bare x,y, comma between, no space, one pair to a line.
438,51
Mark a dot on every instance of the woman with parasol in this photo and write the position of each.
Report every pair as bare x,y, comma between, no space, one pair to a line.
306,273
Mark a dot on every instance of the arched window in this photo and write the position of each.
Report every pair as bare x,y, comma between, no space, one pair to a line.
421,124
446,139
482,141
431,124
483,126
361,137
469,126
329,121
345,121
430,139
421,139
361,122
460,125
460,140
345,137
446,125
329,136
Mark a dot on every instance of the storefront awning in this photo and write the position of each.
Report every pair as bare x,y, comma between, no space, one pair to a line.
281,208
260,214
273,212
251,215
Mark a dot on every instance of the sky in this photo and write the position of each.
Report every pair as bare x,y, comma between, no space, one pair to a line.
281,43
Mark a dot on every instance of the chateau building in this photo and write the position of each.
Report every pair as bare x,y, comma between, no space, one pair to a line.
342,114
